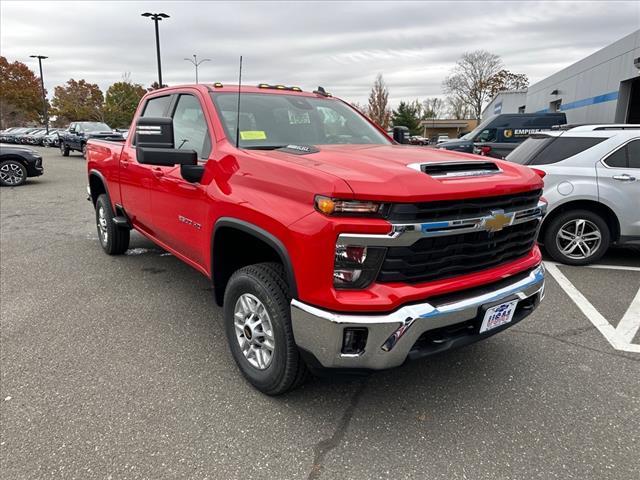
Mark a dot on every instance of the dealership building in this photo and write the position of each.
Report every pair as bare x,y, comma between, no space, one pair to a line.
601,88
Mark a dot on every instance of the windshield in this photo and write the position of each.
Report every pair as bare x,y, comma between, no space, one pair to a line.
96,127
270,121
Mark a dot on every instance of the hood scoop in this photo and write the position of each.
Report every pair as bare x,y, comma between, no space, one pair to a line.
457,169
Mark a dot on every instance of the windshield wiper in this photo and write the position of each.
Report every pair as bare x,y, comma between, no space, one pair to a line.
263,147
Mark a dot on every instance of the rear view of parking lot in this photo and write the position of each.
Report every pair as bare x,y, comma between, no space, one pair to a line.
117,367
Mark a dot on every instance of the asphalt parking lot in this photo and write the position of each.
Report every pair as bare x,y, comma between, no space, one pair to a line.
117,367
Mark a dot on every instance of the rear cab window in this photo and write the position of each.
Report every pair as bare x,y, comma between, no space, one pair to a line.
546,150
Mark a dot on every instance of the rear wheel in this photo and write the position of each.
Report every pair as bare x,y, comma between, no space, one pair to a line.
577,237
257,322
64,149
84,150
12,173
113,239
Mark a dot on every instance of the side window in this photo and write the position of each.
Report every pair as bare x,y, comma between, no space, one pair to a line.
72,127
156,107
190,129
617,159
487,135
633,154
563,148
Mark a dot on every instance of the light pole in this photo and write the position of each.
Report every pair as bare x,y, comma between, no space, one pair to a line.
197,63
157,17
44,97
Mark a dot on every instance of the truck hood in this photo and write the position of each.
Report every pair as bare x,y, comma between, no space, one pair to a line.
392,173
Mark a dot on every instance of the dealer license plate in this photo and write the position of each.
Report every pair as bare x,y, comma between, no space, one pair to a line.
498,315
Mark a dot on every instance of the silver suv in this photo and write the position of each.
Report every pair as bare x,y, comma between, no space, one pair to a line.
592,184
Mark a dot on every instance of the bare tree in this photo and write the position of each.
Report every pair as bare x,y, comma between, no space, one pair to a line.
505,80
457,108
470,80
433,107
378,109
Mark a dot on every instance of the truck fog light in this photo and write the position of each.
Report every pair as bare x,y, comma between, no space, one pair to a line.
356,266
354,340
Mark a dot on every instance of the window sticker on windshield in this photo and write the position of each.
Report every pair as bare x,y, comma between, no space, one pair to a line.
253,135
299,118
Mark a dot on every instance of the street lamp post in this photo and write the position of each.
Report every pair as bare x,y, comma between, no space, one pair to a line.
197,63
44,97
157,17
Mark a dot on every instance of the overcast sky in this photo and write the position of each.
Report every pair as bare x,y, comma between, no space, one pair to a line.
339,45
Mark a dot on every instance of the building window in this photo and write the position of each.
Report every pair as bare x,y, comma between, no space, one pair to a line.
521,108
555,106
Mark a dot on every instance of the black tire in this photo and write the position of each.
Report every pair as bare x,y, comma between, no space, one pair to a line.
267,282
84,150
552,231
12,173
64,149
114,240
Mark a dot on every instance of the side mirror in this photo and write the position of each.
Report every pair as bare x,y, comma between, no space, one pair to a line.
401,134
154,146
72,130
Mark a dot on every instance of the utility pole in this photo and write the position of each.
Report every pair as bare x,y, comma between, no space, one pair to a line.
197,63
44,97
157,17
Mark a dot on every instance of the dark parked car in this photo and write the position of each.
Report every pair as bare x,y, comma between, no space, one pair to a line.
76,136
34,138
17,163
498,136
16,135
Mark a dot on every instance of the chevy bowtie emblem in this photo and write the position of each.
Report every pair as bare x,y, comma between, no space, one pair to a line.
497,221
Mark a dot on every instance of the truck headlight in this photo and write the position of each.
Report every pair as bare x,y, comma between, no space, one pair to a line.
332,206
356,266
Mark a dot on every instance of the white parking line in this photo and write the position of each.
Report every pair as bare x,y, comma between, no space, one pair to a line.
620,338
602,266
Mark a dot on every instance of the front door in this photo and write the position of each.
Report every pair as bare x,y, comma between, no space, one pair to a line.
619,184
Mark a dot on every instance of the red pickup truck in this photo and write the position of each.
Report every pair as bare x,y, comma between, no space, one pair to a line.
329,245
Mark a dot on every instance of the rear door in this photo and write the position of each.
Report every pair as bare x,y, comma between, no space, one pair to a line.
137,180
619,185
180,207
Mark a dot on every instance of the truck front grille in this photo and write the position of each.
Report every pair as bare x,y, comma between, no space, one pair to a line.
454,209
432,258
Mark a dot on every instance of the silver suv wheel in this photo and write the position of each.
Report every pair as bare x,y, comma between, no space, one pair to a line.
254,331
578,239
11,173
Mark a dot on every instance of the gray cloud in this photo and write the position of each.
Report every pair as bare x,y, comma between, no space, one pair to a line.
341,46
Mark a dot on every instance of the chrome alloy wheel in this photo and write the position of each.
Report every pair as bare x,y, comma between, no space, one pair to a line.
11,174
578,239
254,331
102,226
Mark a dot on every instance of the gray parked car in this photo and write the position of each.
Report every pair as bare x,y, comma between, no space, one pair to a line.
592,184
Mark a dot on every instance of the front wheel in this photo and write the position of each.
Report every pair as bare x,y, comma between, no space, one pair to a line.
64,149
577,237
257,322
12,173
113,239
84,150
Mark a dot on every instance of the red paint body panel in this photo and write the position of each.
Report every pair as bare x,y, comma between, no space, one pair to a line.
275,191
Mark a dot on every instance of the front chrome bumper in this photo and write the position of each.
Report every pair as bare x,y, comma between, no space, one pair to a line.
391,337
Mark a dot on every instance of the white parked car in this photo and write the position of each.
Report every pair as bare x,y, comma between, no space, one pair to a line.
592,184
442,139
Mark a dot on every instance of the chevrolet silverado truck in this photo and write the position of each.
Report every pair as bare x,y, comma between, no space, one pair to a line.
329,245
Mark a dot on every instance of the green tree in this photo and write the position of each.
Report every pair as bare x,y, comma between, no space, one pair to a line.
408,115
20,95
121,101
77,101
